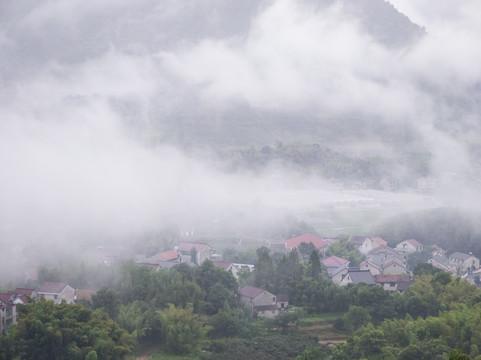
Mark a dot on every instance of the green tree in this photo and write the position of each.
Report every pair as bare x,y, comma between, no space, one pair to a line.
142,320
356,317
108,300
312,354
184,331
315,264
264,271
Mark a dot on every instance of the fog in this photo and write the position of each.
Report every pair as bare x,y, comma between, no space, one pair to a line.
99,102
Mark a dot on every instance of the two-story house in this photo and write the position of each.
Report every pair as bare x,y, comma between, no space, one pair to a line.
264,303
409,246
464,262
56,291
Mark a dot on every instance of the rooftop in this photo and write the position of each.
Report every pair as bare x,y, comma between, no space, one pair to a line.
306,238
250,291
52,287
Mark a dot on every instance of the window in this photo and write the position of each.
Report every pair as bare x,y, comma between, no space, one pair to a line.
392,284
9,311
274,299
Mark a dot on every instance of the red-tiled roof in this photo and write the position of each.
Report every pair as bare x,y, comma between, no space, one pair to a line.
23,291
84,294
164,256
334,261
250,291
414,242
379,241
306,238
187,246
5,297
52,287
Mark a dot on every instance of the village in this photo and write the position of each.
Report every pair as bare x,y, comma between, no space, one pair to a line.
381,265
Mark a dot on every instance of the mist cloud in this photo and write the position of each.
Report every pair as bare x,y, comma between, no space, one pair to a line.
79,79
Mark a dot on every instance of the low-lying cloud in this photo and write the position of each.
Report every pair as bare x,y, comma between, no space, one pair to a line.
82,83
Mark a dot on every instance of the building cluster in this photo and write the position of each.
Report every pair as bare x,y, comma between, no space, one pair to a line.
382,265
55,291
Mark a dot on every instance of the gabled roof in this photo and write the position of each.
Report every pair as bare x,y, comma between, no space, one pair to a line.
187,246
5,298
391,278
414,243
52,287
334,261
164,256
306,238
250,291
460,256
394,261
358,240
23,291
381,248
361,277
379,241
84,294
369,263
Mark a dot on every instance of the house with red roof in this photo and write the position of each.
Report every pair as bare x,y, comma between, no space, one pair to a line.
202,251
409,246
8,306
264,303
308,238
56,291
333,264
376,241
163,256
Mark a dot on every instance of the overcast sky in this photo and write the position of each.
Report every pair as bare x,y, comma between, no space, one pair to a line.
73,73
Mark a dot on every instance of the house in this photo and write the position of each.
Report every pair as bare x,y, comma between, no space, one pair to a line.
387,183
381,254
443,263
357,276
337,275
282,301
372,267
393,282
394,266
437,250
8,306
202,251
56,291
377,241
264,303
464,262
236,268
363,244
8,312
319,244
427,184
332,263
409,246
84,295
164,256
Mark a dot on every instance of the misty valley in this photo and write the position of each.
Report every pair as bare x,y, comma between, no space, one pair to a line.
256,179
